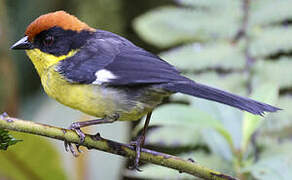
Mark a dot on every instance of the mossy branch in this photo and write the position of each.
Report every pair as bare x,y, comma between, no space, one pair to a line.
94,142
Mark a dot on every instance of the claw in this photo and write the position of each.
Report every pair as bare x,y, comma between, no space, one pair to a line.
135,168
66,146
76,127
77,147
72,150
69,146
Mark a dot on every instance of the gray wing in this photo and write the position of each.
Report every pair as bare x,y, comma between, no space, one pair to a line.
115,61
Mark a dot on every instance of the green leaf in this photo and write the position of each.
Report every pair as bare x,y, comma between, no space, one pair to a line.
275,162
164,136
184,117
158,172
35,158
279,125
277,166
6,139
195,57
220,145
277,72
268,41
165,27
214,5
267,93
270,11
231,120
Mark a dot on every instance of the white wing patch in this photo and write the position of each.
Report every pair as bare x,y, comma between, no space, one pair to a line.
103,76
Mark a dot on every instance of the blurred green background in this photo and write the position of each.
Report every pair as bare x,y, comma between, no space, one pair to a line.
241,46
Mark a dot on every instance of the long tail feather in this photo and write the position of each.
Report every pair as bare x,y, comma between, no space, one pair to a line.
206,92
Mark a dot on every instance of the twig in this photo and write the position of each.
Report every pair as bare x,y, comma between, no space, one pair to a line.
241,33
98,143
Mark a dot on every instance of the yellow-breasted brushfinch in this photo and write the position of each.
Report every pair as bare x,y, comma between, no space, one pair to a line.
105,75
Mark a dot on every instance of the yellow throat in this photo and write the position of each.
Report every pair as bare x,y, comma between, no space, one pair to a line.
42,61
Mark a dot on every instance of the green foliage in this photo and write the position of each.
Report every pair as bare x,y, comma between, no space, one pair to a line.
214,5
279,125
281,72
201,25
270,40
267,12
257,64
26,160
202,55
275,162
267,93
176,116
6,139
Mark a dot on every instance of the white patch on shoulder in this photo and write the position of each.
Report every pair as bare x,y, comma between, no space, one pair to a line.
103,76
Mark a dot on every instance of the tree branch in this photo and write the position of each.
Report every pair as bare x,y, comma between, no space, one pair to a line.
95,142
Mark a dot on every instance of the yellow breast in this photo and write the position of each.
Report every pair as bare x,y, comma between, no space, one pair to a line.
87,98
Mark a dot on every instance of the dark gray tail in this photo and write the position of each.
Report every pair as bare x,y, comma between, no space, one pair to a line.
206,92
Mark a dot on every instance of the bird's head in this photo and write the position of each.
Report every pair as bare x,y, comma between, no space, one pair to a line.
53,37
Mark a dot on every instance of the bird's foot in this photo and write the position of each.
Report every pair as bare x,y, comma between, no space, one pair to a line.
76,127
138,143
70,146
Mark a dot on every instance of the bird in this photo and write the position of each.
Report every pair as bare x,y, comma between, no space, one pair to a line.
106,76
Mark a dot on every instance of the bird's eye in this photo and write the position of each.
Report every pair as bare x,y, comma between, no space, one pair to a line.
48,41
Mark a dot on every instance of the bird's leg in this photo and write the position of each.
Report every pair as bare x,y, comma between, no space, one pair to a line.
76,126
139,142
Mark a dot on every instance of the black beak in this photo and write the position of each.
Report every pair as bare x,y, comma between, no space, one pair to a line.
22,44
